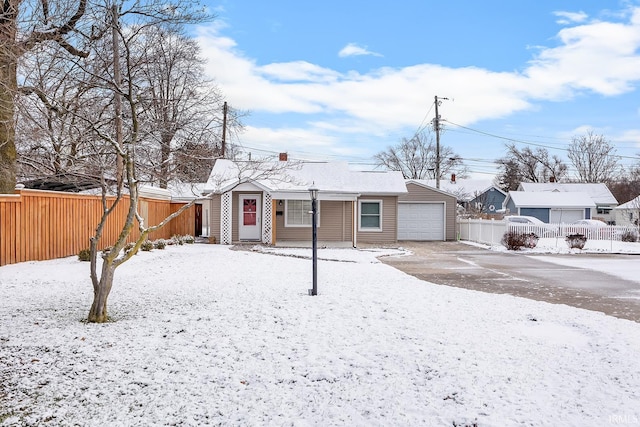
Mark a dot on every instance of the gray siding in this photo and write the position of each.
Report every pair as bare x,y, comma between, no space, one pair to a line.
389,233
419,193
541,213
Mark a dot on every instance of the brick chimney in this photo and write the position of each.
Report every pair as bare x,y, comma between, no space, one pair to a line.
453,178
283,157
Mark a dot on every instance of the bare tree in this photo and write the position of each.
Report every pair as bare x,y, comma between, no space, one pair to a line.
529,165
594,158
23,26
626,186
52,140
121,131
184,111
416,158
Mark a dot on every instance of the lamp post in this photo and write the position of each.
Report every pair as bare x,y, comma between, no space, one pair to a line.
313,191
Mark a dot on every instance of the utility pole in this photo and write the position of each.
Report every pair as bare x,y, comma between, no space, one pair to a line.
436,125
117,104
224,128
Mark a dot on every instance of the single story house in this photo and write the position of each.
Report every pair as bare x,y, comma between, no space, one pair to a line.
550,207
628,213
270,202
599,193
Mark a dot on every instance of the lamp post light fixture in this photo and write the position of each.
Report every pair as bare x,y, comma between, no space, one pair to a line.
313,191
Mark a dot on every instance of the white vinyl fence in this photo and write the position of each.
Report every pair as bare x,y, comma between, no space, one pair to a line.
490,232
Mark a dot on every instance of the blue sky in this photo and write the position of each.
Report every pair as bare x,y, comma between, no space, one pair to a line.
343,80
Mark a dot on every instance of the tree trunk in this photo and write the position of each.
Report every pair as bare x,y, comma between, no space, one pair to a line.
98,312
8,85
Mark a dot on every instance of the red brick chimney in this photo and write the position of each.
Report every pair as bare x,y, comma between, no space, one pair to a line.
453,178
283,157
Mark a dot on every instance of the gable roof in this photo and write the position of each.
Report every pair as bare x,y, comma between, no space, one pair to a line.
465,190
423,183
533,199
293,179
598,192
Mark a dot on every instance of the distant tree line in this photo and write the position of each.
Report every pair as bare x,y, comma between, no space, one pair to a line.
593,159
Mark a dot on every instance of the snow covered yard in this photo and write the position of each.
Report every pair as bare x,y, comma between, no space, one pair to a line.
207,335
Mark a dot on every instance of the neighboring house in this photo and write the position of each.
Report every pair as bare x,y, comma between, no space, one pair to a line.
550,207
628,213
474,195
270,203
426,213
599,193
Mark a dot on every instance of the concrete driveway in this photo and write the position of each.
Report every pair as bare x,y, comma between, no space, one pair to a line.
464,266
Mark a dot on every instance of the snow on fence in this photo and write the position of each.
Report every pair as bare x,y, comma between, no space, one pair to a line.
38,225
490,232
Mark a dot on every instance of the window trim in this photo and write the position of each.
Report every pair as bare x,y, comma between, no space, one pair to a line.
286,214
380,214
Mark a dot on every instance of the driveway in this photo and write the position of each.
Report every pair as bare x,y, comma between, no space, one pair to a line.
464,266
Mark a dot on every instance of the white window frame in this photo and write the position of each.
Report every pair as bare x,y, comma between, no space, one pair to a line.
286,214
374,229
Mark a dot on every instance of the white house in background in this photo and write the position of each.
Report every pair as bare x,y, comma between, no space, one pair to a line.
550,207
599,193
628,213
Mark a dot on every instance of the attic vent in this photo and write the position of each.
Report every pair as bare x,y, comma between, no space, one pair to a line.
283,157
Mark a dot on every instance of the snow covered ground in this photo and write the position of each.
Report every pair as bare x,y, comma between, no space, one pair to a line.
207,335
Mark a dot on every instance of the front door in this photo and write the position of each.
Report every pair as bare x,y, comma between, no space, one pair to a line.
249,221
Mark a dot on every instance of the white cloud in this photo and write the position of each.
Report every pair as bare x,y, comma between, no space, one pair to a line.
567,18
351,108
352,49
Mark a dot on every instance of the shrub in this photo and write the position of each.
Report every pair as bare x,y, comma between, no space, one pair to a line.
146,246
176,240
629,236
189,239
160,244
514,241
576,241
84,255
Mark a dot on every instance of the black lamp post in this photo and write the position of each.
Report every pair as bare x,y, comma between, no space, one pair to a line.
313,191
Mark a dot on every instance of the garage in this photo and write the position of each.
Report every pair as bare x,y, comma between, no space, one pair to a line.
557,216
421,221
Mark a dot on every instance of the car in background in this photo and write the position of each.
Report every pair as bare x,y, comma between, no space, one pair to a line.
540,228
523,219
592,229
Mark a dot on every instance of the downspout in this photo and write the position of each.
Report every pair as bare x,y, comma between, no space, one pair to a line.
354,222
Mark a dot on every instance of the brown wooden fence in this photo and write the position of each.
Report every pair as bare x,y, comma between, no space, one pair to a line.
39,225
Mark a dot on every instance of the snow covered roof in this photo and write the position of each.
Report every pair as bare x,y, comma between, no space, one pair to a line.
464,189
598,192
286,179
631,204
531,199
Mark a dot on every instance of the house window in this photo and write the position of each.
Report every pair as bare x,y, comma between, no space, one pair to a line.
370,218
297,213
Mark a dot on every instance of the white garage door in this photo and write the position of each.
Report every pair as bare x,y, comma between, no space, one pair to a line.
565,215
421,221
